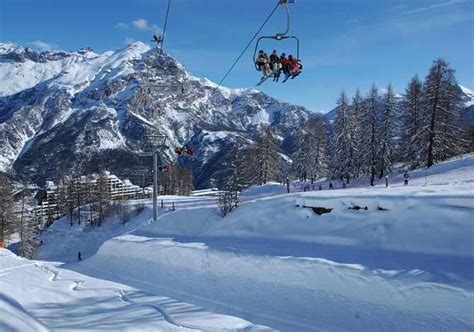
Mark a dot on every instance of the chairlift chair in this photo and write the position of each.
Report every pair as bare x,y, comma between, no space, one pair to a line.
279,37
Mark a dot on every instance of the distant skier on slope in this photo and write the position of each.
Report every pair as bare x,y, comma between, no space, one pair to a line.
406,176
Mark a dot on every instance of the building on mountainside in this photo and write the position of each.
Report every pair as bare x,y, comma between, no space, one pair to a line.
53,201
47,208
121,189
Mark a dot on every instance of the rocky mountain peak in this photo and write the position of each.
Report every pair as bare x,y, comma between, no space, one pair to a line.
58,110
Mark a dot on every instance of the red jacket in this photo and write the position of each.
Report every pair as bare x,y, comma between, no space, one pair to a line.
294,64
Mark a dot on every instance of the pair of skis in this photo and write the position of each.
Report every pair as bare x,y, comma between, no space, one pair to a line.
272,74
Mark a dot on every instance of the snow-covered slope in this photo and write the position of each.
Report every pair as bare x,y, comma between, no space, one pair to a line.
405,263
65,106
18,318
40,296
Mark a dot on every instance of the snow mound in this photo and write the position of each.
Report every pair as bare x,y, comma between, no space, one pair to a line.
268,189
404,220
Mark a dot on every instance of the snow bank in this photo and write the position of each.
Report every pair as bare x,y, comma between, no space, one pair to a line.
288,293
269,189
412,220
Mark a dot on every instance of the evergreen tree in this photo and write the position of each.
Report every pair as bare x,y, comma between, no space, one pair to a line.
103,199
8,217
341,151
30,228
241,172
302,163
386,133
267,156
370,123
442,135
356,134
310,158
412,122
317,138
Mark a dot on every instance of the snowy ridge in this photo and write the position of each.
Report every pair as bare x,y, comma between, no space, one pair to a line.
74,71
227,92
468,96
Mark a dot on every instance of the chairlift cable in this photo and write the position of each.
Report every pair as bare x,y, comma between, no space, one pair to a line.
244,50
166,23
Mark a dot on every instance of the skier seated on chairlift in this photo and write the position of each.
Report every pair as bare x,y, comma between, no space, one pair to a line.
263,63
180,151
276,65
294,66
284,64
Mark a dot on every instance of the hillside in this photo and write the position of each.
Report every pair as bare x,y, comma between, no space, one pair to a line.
276,263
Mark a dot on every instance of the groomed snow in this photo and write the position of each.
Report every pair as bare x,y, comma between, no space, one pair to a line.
285,292
58,299
406,263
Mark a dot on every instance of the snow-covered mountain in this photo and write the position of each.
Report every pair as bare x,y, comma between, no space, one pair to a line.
60,109
468,99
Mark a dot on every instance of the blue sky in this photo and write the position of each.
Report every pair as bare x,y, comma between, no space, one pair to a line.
344,43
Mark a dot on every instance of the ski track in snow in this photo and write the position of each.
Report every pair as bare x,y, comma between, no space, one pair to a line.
121,294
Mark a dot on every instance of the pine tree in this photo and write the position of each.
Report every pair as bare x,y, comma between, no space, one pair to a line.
241,170
302,163
412,122
442,133
356,134
267,156
317,149
310,160
8,217
29,228
341,162
102,198
370,123
386,133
